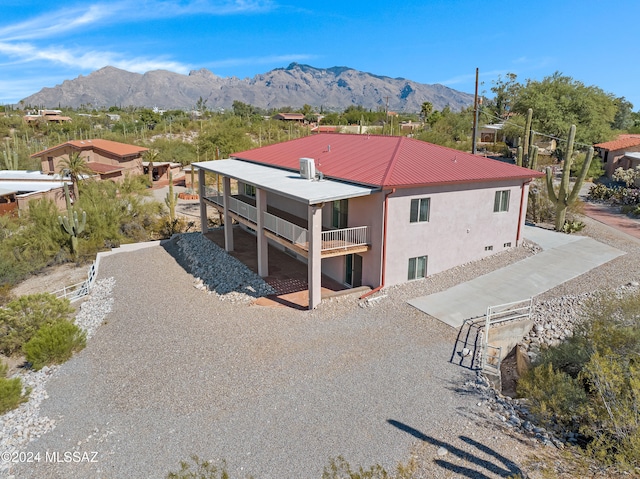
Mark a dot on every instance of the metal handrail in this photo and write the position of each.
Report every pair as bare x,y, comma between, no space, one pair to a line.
345,238
78,290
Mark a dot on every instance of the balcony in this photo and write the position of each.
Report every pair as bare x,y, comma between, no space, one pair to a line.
334,242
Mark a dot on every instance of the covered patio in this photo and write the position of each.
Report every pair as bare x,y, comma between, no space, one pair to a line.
304,236
287,275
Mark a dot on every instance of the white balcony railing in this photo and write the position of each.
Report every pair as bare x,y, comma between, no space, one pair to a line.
285,229
345,238
331,240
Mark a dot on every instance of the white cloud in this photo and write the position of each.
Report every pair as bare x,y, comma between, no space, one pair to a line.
19,41
87,60
56,23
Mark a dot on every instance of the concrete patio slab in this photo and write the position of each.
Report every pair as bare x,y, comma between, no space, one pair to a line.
563,258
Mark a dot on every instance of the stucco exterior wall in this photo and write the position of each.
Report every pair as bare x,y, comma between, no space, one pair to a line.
56,195
614,158
131,165
461,224
362,211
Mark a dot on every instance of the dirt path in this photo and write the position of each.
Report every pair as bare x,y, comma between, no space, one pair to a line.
52,279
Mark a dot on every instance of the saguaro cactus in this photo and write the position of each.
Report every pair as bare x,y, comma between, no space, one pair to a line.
563,199
73,228
10,157
70,223
171,199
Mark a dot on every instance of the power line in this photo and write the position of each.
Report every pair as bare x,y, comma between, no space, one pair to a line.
506,122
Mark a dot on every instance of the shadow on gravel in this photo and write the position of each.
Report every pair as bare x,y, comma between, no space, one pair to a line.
467,347
496,465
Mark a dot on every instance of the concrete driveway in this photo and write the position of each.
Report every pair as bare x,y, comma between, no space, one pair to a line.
564,257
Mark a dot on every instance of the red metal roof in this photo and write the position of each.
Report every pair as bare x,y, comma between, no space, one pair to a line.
619,144
385,161
113,147
103,168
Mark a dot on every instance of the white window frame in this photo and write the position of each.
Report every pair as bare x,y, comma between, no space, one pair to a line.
249,190
501,201
417,267
416,213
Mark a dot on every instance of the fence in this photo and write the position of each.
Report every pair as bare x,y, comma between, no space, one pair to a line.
491,355
344,238
78,290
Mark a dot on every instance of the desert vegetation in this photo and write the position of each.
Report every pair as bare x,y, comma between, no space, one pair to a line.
37,327
589,385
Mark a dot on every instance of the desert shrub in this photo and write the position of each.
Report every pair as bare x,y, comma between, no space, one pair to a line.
5,293
11,394
625,196
499,147
612,415
591,382
200,470
627,176
572,226
595,168
21,318
539,207
165,227
4,368
554,395
600,192
339,468
54,344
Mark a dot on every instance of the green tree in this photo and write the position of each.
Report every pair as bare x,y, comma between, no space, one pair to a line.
243,110
425,110
623,119
150,156
560,101
224,137
506,92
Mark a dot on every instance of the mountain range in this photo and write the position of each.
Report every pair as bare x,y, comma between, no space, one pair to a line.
332,89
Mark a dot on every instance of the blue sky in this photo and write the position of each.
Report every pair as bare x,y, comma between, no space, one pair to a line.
43,43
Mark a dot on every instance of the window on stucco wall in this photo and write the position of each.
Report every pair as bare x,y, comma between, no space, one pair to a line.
250,190
420,210
417,267
501,202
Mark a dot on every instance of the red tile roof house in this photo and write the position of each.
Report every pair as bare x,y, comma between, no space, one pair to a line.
107,159
377,210
612,152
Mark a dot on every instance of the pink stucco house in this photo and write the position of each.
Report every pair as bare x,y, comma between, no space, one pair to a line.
369,210
613,152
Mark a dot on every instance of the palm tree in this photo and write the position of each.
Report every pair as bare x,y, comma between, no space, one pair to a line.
75,166
150,156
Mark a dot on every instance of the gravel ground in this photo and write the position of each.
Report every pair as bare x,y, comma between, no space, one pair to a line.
175,371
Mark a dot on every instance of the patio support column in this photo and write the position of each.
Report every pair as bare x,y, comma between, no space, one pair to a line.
228,222
263,246
314,260
204,224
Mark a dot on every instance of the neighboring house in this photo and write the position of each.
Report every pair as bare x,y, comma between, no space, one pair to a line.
18,188
325,129
369,210
162,169
631,160
492,133
411,126
107,159
289,117
54,116
612,152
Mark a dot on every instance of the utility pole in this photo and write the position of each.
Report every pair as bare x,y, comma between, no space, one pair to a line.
475,117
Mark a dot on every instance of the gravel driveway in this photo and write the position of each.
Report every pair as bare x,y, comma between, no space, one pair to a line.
277,392
273,391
